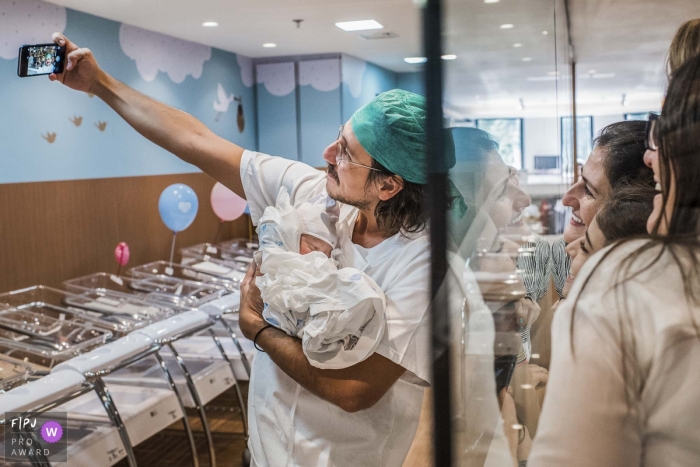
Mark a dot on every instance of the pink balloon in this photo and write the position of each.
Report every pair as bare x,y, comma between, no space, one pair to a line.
121,254
227,204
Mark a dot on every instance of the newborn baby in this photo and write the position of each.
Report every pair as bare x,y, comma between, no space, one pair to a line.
337,313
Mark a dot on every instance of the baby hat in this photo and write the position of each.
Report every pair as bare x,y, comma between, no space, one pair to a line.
318,217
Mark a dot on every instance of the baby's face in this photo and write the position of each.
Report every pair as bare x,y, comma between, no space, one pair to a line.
310,243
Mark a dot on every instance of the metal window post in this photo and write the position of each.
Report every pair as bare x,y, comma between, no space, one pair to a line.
436,197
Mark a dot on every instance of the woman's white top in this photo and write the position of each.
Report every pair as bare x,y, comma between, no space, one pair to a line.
289,426
599,412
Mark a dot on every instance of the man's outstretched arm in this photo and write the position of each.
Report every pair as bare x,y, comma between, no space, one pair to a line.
172,129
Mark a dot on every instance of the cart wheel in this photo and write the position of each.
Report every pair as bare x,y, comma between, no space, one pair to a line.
246,458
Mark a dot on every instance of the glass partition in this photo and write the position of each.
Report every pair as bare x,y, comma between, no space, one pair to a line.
508,106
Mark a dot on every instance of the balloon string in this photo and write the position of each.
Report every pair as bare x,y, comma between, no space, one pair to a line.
119,263
218,231
172,250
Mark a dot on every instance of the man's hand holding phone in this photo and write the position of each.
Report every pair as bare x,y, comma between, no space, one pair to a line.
81,71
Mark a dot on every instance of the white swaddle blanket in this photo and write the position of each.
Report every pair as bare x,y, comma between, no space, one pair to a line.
337,313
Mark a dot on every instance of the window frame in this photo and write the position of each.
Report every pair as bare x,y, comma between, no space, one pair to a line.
561,136
627,119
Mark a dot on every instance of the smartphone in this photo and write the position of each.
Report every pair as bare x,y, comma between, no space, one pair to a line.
504,366
40,59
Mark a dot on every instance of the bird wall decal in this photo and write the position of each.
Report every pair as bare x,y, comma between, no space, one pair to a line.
50,137
101,125
222,102
77,120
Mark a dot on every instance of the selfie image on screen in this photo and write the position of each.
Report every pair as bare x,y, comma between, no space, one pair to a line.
42,60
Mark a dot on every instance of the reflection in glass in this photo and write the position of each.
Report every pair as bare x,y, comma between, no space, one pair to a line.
506,113
508,132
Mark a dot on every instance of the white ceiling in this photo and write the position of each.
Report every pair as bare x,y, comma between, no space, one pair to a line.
629,38
624,41
244,25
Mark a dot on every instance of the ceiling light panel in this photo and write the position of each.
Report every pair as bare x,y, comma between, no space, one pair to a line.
362,25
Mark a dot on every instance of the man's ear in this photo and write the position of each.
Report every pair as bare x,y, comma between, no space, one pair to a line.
388,187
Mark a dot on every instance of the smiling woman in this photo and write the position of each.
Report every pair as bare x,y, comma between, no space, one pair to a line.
617,158
628,339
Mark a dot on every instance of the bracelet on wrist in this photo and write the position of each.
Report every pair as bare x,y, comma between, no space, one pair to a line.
255,340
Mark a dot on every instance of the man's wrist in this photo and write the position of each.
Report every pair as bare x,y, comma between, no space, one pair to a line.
259,336
101,84
259,325
251,324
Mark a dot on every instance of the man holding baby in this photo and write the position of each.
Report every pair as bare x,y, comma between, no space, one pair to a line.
302,415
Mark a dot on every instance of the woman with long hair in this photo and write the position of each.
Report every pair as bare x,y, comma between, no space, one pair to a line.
616,159
685,45
624,381
624,215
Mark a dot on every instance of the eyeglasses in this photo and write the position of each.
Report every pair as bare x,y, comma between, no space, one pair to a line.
650,136
341,154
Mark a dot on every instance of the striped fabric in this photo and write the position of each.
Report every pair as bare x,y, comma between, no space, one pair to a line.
533,265
561,265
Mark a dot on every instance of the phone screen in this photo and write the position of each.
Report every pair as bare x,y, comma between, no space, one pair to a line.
42,59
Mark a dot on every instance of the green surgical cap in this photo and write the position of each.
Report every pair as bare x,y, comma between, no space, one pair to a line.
391,128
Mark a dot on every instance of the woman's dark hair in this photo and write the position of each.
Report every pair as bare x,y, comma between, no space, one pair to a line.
678,139
626,212
623,146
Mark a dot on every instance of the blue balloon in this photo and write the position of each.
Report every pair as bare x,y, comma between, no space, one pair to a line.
178,205
247,210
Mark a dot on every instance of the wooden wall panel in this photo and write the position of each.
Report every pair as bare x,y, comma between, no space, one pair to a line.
54,231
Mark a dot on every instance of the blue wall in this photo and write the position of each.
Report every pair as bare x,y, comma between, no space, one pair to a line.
293,114
362,81
320,121
278,132
34,107
277,124
414,82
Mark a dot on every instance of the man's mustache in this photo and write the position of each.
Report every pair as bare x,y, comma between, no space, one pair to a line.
333,173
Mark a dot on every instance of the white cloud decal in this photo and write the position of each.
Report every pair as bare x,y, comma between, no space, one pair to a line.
353,72
322,75
247,73
24,22
154,52
278,78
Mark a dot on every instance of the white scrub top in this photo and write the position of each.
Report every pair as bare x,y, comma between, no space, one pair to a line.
289,426
644,412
